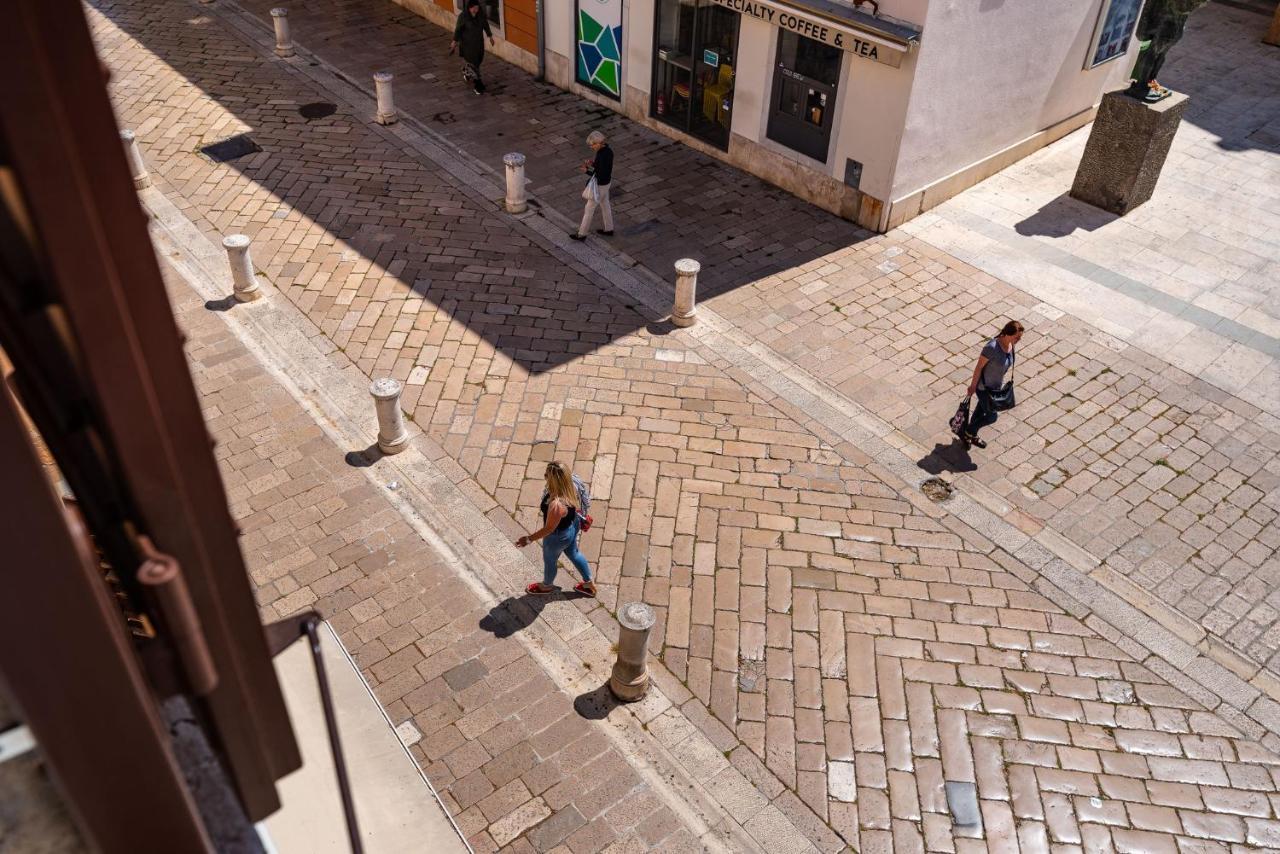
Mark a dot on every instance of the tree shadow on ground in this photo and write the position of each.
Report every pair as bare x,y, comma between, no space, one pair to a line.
1063,216
596,705
953,458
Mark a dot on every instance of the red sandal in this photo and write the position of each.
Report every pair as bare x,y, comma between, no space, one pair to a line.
537,589
586,588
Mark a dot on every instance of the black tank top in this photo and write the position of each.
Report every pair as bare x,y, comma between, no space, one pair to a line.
568,517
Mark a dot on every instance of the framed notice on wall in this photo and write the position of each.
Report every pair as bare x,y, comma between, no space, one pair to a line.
599,45
1116,21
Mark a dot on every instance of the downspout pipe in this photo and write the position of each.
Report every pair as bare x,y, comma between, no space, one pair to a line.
539,7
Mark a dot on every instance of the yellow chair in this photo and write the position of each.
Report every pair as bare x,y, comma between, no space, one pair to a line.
714,94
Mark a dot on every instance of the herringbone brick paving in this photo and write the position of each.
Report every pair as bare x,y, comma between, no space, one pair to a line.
858,648
1171,482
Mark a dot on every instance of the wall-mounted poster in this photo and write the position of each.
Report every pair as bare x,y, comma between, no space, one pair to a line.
1116,21
600,45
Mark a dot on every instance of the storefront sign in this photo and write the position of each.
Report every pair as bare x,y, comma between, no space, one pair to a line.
599,45
827,32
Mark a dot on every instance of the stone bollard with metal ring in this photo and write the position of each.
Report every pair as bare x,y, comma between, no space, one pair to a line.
386,105
133,154
392,435
629,681
284,42
244,282
517,200
685,311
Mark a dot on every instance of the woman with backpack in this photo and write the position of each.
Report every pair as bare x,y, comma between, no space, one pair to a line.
563,516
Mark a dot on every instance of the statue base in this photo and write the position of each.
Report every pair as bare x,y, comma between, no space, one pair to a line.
1126,151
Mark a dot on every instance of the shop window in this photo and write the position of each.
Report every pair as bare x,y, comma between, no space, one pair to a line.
694,60
804,94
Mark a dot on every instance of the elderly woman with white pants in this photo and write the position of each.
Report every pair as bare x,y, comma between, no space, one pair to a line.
599,170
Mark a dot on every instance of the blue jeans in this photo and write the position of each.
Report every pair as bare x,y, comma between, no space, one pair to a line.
983,415
563,543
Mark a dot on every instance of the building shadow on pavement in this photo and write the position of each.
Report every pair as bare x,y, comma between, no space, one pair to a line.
596,705
1063,216
953,458
471,262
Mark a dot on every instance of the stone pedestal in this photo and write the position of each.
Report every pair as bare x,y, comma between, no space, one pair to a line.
1126,150
629,681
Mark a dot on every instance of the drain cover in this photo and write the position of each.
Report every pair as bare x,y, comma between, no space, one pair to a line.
231,148
317,110
936,489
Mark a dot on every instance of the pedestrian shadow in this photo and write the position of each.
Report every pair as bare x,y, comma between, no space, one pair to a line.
225,304
364,459
596,705
952,458
515,614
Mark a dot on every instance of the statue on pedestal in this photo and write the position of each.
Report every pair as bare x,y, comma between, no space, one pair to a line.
1162,23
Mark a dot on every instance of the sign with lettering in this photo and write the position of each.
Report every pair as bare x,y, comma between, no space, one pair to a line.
827,32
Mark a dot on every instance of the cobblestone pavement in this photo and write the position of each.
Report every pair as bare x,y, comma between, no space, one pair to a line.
1170,482
499,741
855,646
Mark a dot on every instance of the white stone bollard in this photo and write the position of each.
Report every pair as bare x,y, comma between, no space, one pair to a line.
685,311
386,106
629,681
244,283
284,42
392,435
517,201
133,154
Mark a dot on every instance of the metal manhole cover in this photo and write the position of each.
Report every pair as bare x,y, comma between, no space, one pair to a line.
231,148
317,110
936,489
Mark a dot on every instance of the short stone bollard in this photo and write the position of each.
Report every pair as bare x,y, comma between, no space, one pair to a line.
517,201
629,681
685,311
244,282
386,105
284,42
133,154
392,435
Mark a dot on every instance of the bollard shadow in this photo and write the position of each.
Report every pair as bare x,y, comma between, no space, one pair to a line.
661,328
364,459
596,705
1064,216
953,458
225,304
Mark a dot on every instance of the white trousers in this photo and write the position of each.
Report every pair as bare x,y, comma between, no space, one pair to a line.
589,212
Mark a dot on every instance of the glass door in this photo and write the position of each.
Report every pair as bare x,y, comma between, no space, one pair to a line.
717,42
694,57
804,94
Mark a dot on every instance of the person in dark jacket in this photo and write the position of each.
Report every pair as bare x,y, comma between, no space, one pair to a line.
468,39
599,170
